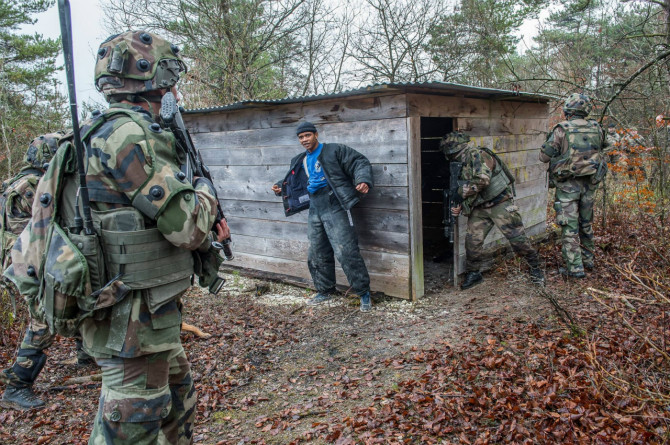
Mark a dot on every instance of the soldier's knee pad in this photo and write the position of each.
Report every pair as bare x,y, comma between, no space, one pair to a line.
29,364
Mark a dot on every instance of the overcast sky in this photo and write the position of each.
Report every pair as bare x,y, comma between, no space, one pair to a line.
87,33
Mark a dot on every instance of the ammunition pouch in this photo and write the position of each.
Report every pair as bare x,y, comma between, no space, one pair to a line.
145,260
112,262
207,267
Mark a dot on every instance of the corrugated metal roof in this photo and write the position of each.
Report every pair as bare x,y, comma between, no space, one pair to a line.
443,88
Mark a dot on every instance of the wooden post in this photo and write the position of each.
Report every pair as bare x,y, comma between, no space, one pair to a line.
415,207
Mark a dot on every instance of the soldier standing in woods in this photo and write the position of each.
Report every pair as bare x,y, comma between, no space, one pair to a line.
487,199
577,164
16,206
154,229
329,179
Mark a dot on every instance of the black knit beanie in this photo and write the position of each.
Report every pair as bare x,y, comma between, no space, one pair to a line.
305,127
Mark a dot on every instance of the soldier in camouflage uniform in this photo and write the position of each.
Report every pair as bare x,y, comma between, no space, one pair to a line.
154,228
577,164
16,207
487,200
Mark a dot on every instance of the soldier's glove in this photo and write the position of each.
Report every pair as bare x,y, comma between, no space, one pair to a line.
207,269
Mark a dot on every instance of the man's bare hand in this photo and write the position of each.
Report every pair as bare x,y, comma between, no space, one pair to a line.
276,189
222,230
363,187
456,210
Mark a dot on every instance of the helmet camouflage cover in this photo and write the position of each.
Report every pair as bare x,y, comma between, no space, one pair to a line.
41,149
454,142
578,104
135,62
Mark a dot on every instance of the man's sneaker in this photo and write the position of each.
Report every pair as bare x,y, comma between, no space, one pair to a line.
366,302
588,265
567,273
537,276
319,298
21,398
472,279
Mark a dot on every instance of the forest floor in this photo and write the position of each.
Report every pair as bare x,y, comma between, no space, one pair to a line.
496,363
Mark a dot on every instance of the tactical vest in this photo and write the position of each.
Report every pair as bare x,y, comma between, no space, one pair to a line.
501,178
11,226
87,275
584,154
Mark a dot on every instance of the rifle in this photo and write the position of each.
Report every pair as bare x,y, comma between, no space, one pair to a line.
193,165
451,199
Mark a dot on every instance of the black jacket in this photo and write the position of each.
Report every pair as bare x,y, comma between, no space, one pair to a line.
343,167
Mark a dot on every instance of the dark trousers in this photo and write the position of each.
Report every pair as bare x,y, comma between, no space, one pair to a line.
332,236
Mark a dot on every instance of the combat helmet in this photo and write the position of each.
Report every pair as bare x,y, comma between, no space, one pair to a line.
454,142
577,104
41,150
136,62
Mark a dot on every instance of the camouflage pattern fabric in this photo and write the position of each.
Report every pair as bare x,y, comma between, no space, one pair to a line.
148,396
137,62
614,144
41,149
576,196
557,147
576,148
578,104
30,358
574,213
506,217
476,175
131,162
16,205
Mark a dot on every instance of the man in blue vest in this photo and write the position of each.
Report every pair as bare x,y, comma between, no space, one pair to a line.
329,179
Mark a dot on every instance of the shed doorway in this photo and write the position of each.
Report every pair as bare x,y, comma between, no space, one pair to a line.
438,252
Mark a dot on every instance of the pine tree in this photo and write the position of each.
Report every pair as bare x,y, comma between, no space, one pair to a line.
30,101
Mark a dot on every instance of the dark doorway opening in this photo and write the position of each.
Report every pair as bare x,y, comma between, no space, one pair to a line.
437,251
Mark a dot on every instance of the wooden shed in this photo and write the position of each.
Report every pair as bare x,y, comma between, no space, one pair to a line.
248,146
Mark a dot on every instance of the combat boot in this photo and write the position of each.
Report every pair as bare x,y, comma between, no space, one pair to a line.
83,359
567,273
472,279
22,398
536,276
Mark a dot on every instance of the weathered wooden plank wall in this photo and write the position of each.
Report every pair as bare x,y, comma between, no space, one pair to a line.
249,150
515,131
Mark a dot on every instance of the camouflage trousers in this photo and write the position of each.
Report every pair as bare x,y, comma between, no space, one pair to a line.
507,218
30,358
332,236
148,399
574,213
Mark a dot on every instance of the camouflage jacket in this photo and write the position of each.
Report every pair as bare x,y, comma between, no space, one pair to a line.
479,168
16,204
130,163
